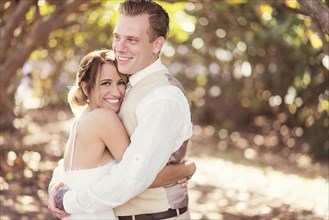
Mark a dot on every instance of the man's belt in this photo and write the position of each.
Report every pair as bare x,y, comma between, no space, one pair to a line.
155,216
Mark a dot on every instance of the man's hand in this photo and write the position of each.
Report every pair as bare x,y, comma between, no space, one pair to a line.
51,202
59,197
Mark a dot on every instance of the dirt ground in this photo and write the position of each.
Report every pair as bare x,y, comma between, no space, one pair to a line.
230,183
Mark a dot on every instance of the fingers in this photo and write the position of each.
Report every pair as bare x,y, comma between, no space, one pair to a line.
51,201
59,185
59,213
184,185
183,182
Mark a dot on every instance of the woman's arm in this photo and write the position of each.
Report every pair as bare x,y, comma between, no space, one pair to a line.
117,140
173,173
113,133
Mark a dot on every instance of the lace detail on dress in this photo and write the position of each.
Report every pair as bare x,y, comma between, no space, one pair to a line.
98,166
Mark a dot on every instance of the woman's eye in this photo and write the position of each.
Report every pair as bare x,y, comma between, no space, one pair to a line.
106,84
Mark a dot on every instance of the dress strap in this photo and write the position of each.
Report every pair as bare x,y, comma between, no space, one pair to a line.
74,133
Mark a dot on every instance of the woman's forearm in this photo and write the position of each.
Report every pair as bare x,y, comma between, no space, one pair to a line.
173,173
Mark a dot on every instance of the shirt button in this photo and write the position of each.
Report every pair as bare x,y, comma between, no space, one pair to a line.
137,157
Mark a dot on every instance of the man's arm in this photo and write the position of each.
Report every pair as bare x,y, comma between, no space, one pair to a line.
157,136
54,185
57,175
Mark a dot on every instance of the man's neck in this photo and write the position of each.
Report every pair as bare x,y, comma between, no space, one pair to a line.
154,67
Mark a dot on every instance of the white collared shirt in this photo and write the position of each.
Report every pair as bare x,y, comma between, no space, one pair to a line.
163,124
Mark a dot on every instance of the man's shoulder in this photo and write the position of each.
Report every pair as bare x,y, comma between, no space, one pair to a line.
168,92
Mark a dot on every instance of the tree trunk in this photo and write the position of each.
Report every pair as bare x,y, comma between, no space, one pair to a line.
15,57
319,13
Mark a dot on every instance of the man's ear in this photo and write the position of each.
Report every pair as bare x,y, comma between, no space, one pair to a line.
158,44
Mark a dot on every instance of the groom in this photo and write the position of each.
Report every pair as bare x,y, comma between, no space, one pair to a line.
157,117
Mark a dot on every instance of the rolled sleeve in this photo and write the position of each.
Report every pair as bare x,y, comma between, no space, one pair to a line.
70,203
58,175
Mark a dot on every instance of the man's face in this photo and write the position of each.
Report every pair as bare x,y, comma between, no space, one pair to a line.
131,44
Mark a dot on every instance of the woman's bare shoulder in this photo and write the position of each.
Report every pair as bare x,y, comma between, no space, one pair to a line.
102,115
104,112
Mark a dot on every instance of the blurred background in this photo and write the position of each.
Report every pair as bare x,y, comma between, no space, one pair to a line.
256,75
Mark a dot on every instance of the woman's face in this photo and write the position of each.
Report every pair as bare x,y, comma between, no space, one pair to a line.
109,89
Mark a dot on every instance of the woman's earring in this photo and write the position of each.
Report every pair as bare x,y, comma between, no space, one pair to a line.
89,103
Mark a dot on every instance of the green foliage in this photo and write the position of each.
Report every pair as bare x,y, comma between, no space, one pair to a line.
265,61
239,60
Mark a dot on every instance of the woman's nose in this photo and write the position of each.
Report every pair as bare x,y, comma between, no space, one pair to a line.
116,92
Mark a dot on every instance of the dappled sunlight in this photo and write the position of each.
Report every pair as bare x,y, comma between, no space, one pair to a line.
253,191
265,147
238,174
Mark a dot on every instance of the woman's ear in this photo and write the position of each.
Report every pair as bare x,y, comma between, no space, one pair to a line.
158,44
84,87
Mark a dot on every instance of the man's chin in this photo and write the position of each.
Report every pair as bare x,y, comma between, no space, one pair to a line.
124,70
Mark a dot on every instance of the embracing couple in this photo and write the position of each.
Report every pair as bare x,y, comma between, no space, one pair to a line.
129,165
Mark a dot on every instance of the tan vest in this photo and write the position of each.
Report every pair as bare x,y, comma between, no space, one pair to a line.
155,199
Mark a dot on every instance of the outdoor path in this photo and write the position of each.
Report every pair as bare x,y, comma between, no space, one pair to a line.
224,190
228,186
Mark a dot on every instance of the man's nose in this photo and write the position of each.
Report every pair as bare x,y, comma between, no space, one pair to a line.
119,45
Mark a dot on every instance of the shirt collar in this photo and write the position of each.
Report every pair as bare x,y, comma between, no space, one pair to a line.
154,67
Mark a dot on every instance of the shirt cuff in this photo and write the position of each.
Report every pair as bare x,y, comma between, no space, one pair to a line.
70,203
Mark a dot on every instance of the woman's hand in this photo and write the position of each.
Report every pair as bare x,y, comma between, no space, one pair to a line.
174,173
183,182
191,168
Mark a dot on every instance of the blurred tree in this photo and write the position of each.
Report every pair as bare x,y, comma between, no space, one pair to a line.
26,26
319,13
246,61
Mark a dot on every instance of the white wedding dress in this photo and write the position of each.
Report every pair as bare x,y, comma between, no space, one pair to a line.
81,178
